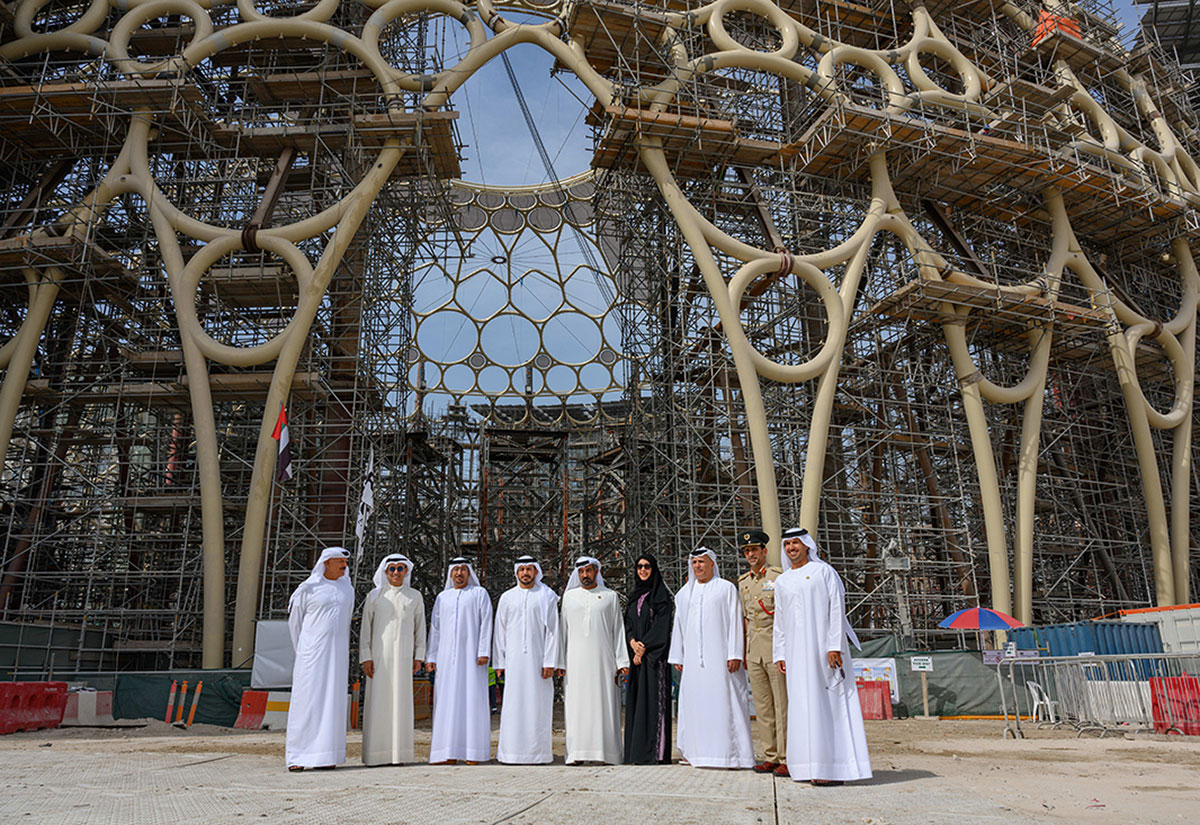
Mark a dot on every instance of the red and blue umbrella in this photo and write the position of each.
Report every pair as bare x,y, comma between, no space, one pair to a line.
979,618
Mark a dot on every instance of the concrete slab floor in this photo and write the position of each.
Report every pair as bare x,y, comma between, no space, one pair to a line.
925,772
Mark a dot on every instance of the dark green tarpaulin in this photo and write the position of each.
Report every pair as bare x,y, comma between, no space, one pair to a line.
144,694
959,685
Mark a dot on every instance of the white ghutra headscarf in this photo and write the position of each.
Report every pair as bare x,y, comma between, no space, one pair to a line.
814,554
380,578
806,538
584,561
318,572
472,579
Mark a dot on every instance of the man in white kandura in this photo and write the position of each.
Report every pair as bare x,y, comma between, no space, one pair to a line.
826,742
595,657
707,646
460,635
392,650
525,650
319,613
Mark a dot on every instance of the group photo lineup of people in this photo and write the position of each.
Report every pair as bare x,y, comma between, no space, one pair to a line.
685,666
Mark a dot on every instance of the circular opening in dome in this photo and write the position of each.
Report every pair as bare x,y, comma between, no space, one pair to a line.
499,259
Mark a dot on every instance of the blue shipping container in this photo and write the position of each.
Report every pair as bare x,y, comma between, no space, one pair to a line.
1104,638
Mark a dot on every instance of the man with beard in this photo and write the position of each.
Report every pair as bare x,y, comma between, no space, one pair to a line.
526,651
460,635
595,657
827,743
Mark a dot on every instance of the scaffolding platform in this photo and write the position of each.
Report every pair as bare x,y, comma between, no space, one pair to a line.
71,254
56,119
937,301
694,146
313,87
252,286
975,170
856,24
1079,53
243,386
621,36
431,132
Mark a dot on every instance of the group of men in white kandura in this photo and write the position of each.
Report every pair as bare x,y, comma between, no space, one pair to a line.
582,640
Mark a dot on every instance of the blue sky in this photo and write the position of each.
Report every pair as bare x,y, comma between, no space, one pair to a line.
500,152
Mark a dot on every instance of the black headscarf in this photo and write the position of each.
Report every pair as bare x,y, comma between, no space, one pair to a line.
655,586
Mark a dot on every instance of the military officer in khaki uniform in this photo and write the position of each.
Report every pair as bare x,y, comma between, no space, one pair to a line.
757,589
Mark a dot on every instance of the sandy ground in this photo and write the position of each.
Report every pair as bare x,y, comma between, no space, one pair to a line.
926,771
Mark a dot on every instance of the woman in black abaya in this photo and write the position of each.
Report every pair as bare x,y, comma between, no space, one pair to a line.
648,618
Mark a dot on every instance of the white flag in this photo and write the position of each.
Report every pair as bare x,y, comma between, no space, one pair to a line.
366,506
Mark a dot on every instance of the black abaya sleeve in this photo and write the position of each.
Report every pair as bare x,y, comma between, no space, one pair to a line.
658,635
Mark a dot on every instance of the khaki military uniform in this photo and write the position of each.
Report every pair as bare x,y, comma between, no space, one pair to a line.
766,682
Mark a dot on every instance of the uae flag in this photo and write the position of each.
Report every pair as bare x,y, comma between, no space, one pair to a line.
366,506
283,461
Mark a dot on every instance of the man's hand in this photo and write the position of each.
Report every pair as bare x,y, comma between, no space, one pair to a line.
481,661
835,659
624,671
782,665
735,665
431,667
417,665
678,668
547,672
499,673
369,668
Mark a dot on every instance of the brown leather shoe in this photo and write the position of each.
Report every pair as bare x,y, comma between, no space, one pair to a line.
826,783
765,767
783,771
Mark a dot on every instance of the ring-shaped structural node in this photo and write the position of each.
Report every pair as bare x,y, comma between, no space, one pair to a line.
572,338
319,13
489,200
544,219
1182,408
202,261
232,37
510,339
91,19
834,311
118,41
387,12
595,377
495,380
782,24
508,221
562,379
868,61
447,336
922,82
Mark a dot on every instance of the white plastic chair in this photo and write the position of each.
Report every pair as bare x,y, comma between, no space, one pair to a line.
1045,709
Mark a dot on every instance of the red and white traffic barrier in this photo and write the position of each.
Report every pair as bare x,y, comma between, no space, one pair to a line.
264,710
89,708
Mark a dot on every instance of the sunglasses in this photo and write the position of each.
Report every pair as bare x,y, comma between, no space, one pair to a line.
396,568
645,567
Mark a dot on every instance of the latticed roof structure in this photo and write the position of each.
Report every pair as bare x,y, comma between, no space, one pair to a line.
919,276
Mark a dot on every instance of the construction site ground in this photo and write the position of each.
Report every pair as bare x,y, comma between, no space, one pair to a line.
960,772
